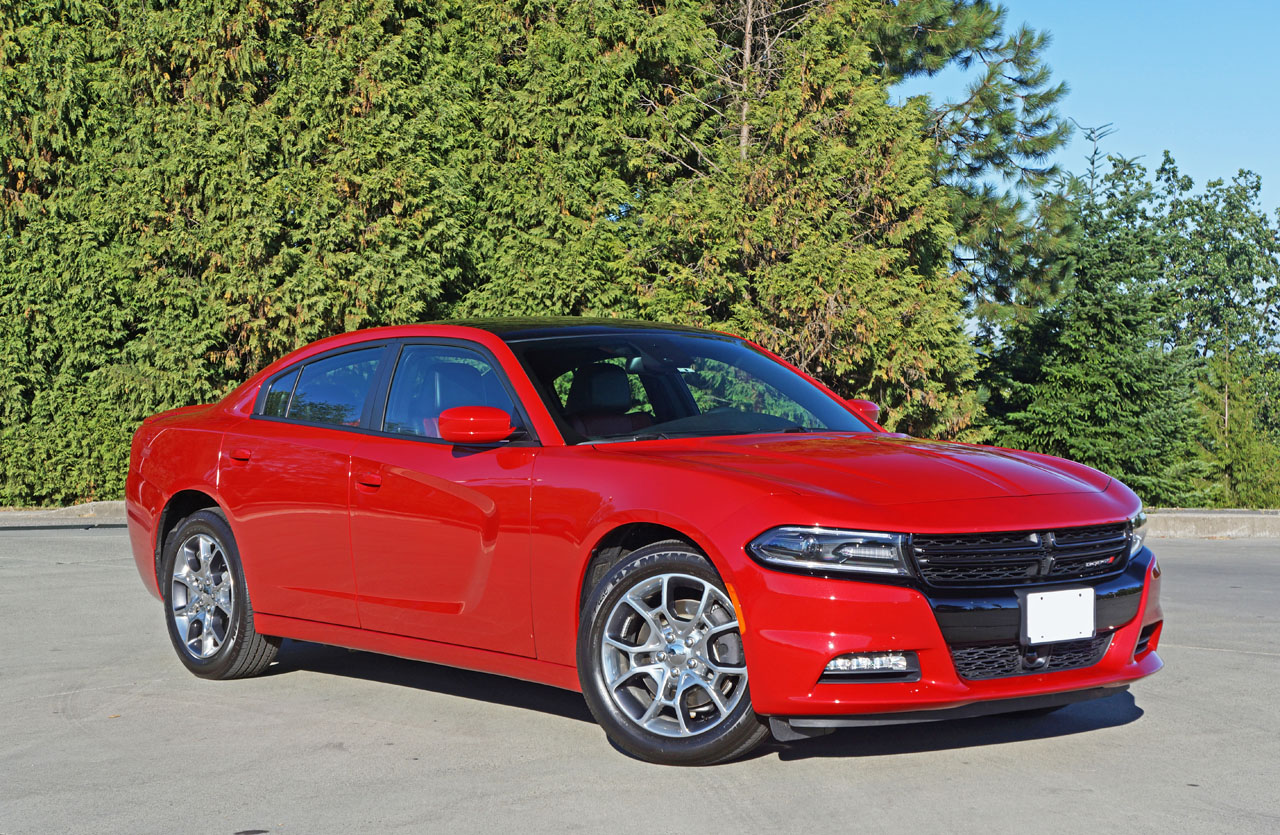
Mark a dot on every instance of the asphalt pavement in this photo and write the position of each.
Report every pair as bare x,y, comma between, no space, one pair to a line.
102,730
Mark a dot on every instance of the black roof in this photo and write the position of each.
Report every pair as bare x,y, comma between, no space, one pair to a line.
516,328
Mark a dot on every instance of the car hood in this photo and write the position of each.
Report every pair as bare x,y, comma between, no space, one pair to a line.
878,469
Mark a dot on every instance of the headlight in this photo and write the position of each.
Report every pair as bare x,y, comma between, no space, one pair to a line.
1138,532
828,549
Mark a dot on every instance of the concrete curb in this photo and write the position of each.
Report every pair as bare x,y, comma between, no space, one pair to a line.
1165,524
1214,524
87,515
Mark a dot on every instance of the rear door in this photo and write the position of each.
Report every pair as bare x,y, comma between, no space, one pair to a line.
440,533
285,475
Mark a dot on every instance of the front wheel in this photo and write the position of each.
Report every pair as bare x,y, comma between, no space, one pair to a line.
661,662
206,601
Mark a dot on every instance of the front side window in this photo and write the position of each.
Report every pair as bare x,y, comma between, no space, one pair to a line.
333,390
431,378
647,385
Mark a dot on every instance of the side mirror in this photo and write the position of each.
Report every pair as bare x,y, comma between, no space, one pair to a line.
868,409
474,425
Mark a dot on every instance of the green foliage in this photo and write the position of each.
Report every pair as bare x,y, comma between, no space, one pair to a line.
992,147
1222,282
1090,379
192,190
1159,365
1267,388
1223,269
1243,465
189,190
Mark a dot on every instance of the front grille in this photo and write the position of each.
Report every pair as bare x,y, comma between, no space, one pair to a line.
1020,557
1003,660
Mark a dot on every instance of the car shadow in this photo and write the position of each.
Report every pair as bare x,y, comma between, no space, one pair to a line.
874,741
450,681
888,740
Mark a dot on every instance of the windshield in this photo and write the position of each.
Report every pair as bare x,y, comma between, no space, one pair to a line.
620,387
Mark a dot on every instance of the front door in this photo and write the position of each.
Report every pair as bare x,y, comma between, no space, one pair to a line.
440,533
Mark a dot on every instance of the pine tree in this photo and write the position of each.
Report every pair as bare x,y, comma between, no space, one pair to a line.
993,146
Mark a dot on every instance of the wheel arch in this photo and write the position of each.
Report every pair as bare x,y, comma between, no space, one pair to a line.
613,542
179,506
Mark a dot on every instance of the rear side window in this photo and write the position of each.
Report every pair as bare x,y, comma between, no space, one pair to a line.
278,395
333,390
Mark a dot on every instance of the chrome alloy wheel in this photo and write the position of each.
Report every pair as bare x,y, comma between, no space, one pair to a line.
202,597
672,655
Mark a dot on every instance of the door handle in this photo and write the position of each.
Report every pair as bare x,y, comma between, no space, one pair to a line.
240,454
370,480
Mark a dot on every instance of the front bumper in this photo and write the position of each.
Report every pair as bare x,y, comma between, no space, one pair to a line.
796,624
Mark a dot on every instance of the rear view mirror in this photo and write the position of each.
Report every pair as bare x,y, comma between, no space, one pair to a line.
474,425
867,409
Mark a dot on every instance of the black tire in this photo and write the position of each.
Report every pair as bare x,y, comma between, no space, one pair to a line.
220,641
728,734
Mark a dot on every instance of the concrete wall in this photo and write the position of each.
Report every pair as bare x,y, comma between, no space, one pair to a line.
1214,524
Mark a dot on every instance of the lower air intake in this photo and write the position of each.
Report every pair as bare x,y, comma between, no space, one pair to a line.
985,661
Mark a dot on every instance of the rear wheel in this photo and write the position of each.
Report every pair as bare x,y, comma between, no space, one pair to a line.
206,601
661,662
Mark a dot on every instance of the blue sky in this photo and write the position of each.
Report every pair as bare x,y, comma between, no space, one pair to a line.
1199,79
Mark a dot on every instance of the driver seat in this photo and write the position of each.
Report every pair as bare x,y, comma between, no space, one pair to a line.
599,402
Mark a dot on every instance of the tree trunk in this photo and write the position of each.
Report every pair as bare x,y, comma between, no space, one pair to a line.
744,133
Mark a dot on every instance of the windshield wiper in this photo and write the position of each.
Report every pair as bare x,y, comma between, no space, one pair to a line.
651,436
617,439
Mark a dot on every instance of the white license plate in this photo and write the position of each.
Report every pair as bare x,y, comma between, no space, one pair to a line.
1051,616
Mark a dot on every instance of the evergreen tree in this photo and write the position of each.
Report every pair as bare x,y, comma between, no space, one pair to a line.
1242,464
782,197
1222,281
1089,379
992,150
1222,274
191,190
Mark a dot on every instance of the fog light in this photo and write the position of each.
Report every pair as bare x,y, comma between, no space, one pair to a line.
870,662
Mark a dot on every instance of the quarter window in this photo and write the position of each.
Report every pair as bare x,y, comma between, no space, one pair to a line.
278,395
432,378
333,390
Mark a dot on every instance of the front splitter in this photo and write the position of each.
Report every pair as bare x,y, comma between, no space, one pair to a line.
787,729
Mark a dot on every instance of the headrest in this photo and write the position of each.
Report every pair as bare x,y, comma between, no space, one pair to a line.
601,387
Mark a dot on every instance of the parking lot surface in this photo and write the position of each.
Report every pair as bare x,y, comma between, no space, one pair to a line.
102,730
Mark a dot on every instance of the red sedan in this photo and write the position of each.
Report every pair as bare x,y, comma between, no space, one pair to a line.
705,541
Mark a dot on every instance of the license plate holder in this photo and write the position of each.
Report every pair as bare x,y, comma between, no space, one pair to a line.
1049,617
